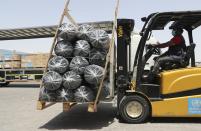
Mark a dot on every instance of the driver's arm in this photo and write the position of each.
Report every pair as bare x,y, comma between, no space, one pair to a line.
163,45
174,41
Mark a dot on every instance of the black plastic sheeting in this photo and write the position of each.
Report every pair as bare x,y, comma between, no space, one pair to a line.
52,80
78,64
82,48
59,95
97,57
64,95
84,94
78,81
67,32
93,74
63,48
58,64
105,92
47,95
71,80
83,31
99,39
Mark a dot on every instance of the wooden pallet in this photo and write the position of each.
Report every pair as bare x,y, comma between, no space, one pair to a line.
66,105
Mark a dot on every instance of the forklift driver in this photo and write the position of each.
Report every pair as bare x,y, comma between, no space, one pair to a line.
177,47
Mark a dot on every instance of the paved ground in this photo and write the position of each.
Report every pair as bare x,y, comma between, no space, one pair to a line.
18,113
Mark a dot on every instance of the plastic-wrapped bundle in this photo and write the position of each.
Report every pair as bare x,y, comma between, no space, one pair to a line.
47,95
99,39
65,95
93,74
84,30
97,57
59,38
105,92
82,48
78,64
71,80
52,80
63,48
67,32
58,64
84,94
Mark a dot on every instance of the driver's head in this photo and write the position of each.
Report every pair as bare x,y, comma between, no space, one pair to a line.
177,31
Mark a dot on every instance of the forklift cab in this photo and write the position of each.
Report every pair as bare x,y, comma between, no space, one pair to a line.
188,21
176,88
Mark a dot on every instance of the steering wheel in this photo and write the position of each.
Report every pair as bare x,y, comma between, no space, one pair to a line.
153,49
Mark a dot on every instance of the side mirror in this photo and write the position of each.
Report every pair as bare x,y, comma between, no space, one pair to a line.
144,19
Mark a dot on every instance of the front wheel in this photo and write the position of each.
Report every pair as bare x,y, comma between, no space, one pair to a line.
134,109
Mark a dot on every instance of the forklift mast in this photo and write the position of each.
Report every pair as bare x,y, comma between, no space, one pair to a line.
124,29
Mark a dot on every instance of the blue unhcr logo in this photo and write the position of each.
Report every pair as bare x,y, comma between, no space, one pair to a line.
194,105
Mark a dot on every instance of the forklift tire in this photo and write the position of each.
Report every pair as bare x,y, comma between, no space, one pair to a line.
134,109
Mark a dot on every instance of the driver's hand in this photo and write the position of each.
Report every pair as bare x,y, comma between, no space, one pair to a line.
153,45
158,43
149,46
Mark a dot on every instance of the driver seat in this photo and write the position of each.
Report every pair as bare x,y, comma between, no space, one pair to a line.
184,62
188,54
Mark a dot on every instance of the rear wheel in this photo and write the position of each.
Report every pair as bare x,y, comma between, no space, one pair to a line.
134,109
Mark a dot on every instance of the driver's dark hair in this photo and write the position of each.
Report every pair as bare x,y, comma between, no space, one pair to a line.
178,30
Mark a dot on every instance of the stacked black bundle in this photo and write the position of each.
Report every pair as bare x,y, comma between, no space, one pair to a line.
93,74
78,64
64,95
105,92
71,80
84,94
58,64
63,48
97,57
82,48
67,32
83,31
47,95
52,80
99,39
77,69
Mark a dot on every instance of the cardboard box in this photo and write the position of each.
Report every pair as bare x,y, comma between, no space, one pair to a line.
11,64
10,57
34,60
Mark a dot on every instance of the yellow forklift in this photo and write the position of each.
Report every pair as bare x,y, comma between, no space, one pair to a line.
176,90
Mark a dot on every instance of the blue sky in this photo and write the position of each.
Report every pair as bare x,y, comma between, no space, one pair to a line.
27,13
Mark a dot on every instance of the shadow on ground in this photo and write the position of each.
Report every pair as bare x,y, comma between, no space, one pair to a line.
24,85
175,120
79,118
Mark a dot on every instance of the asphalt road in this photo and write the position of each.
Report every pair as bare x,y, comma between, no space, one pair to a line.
18,113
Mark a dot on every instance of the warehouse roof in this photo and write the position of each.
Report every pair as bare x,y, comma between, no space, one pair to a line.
45,31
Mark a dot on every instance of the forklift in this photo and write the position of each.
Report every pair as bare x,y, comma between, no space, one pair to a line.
176,90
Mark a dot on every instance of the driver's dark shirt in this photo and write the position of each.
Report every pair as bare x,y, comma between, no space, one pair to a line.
176,40
178,46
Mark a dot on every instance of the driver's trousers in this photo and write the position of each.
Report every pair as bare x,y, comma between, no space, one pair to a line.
163,59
